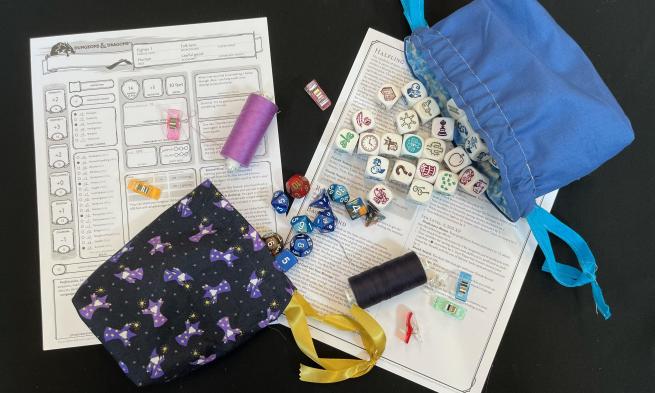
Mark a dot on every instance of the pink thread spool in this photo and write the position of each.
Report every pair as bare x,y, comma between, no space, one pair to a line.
248,131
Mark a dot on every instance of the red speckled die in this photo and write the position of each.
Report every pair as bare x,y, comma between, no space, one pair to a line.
297,186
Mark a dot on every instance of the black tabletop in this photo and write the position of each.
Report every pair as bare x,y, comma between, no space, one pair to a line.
554,342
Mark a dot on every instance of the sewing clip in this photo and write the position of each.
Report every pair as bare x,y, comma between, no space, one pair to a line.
463,286
449,308
318,95
144,188
173,124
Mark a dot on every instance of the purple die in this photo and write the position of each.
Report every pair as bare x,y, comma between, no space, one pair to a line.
301,245
325,221
338,193
302,224
280,202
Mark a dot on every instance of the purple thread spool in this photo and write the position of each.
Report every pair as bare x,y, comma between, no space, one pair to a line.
248,131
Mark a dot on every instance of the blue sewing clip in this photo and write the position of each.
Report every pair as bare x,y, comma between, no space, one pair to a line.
462,287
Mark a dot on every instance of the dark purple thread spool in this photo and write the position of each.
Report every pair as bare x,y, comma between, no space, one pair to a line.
387,280
248,131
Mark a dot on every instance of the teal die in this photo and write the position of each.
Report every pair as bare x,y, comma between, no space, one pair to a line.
338,193
302,224
356,208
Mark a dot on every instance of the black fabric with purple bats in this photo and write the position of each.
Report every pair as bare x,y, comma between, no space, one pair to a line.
193,285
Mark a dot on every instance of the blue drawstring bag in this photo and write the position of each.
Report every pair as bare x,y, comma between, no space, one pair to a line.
514,77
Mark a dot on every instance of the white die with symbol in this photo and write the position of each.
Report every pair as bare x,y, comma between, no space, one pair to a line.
414,91
390,145
388,95
377,168
407,121
446,182
346,140
368,144
420,191
443,128
427,109
435,149
402,173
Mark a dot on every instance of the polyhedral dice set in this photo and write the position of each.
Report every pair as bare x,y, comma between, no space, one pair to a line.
441,162
325,221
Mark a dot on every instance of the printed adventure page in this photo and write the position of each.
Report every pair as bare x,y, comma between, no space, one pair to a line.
450,233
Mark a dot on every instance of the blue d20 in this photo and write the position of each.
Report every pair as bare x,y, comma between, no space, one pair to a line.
280,202
325,221
338,193
285,260
302,224
322,202
301,245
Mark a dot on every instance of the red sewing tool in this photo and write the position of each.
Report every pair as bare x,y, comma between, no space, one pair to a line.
411,328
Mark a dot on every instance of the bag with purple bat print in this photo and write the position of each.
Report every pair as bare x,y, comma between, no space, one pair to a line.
194,285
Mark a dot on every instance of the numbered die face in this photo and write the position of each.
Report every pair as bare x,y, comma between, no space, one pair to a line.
301,245
476,148
369,144
446,182
388,95
427,170
472,181
420,191
390,146
338,193
377,168
297,186
322,201
427,109
414,91
457,159
402,173
443,128
412,146
325,221
356,208
435,149
454,111
407,121
302,224
380,196
280,202
273,242
363,120
346,141
285,260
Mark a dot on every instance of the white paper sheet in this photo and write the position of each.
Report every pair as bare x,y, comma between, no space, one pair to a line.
451,234
100,102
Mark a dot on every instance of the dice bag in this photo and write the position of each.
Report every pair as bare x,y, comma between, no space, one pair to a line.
194,285
534,97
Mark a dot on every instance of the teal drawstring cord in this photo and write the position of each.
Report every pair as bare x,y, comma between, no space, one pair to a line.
541,222
539,219
414,13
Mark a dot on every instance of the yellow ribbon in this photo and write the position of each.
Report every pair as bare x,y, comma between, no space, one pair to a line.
334,370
